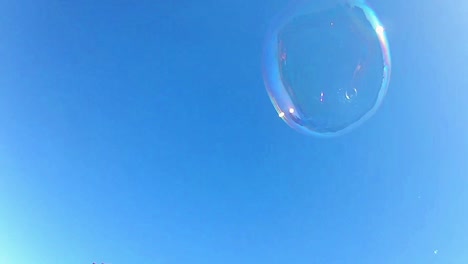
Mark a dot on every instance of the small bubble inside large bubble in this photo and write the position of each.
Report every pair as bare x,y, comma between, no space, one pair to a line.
327,67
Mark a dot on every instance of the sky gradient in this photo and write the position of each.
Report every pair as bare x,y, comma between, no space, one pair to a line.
142,133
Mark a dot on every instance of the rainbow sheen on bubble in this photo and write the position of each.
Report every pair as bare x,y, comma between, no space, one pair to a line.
326,66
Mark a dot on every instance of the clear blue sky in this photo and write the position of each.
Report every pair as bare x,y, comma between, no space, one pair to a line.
141,132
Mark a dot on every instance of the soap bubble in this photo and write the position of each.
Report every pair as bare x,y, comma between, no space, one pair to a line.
326,66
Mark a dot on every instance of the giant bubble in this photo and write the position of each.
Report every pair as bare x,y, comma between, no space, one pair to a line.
326,66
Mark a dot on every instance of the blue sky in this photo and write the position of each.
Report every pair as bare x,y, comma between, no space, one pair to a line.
142,133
